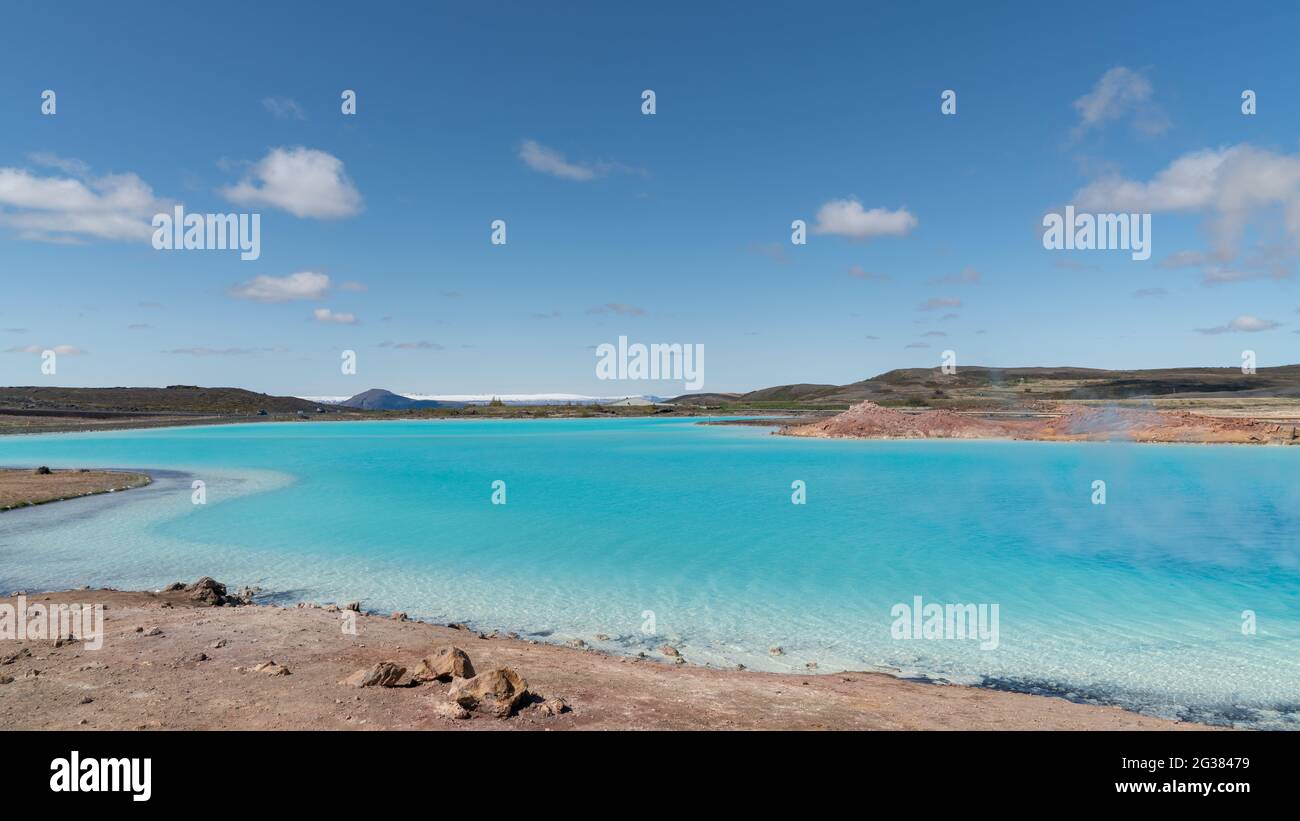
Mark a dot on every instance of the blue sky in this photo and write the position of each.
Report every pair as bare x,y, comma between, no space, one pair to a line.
666,228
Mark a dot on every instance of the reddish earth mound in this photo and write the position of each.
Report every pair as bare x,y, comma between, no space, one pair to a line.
1106,423
1066,423
867,419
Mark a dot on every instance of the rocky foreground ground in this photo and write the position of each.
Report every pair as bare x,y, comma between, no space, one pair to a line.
195,657
1059,423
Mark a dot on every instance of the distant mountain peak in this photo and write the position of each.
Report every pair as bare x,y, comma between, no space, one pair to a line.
380,399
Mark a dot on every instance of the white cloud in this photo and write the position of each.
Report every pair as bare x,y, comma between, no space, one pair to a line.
67,165
1187,184
302,285
357,287
71,209
846,218
326,315
1121,92
61,350
1243,324
303,181
549,161
938,302
284,108
1229,185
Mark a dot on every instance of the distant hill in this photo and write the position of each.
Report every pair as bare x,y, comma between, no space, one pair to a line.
977,383
705,399
379,399
181,399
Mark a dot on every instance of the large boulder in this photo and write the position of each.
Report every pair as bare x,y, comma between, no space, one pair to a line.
445,664
383,674
210,591
499,692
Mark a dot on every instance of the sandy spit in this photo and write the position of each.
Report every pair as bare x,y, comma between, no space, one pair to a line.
22,487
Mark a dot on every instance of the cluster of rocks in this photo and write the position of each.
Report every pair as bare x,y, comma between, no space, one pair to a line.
208,590
500,692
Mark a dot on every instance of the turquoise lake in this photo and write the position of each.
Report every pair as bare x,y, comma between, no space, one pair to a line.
655,531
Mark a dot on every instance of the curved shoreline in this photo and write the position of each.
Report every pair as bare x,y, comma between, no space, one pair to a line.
1037,693
196,661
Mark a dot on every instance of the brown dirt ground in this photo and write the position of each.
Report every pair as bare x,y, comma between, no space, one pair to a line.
139,681
22,487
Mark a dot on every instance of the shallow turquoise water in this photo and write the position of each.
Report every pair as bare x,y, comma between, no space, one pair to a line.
1137,602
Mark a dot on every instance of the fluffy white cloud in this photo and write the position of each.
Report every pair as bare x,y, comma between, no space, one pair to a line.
1229,185
1121,92
847,218
326,315
1187,184
549,161
73,208
303,181
302,285
1244,324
